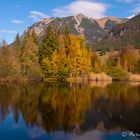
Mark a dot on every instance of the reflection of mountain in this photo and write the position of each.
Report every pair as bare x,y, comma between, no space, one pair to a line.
74,107
1,43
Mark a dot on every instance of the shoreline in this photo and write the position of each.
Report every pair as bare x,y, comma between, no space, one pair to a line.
95,77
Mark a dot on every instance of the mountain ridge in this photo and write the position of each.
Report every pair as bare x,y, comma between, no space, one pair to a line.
127,33
92,29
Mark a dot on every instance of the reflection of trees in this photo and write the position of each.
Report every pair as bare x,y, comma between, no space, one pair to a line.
52,106
20,99
8,98
126,94
119,106
113,114
63,106
29,103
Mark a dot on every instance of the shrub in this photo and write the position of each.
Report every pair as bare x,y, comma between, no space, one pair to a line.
118,74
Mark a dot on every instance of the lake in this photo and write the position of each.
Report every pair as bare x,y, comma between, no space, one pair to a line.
70,111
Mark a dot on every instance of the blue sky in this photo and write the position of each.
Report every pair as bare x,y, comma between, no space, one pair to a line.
17,15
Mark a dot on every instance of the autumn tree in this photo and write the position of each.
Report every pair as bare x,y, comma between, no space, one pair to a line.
29,58
113,59
80,62
129,58
98,62
71,61
9,64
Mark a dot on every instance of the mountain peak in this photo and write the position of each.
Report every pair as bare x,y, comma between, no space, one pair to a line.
80,15
79,18
103,21
92,29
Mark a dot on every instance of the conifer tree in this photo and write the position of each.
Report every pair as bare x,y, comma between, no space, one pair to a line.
17,42
50,43
35,38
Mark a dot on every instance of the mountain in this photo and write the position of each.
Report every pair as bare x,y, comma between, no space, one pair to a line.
123,34
93,29
1,42
131,28
108,23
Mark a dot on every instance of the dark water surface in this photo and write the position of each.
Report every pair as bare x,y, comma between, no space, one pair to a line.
70,111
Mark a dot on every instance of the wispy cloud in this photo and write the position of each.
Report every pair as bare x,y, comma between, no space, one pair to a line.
86,7
37,15
1,39
8,31
127,1
17,6
135,4
16,21
136,9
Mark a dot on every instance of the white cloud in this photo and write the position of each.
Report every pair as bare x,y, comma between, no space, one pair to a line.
8,31
16,21
131,16
37,15
86,7
136,10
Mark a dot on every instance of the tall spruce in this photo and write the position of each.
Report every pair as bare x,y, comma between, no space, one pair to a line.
17,42
17,46
35,38
50,43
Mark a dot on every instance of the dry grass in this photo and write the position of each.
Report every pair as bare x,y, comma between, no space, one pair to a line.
99,77
134,77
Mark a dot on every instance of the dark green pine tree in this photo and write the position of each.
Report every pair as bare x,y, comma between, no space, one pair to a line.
66,39
17,42
50,43
35,38
17,45
66,36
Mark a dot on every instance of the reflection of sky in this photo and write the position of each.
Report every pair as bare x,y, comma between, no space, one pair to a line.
97,135
11,131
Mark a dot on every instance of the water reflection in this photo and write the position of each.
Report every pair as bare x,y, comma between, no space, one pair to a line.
71,111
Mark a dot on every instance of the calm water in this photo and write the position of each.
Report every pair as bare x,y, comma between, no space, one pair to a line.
90,111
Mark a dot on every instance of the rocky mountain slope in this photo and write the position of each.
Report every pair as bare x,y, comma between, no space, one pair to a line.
129,28
93,29
123,34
